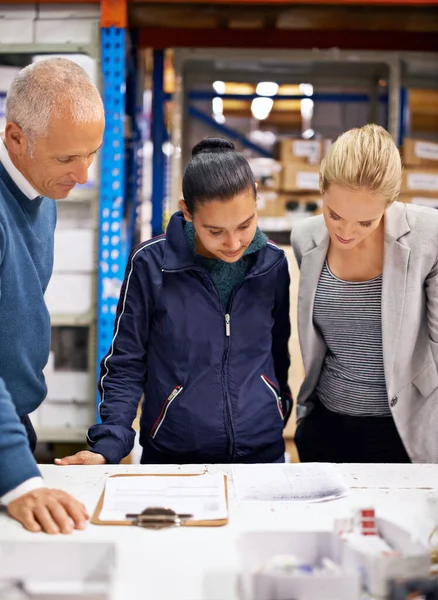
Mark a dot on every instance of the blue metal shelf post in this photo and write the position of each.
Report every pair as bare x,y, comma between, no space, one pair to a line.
134,146
404,115
158,139
111,259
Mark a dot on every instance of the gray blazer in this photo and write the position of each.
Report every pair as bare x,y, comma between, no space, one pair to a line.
409,319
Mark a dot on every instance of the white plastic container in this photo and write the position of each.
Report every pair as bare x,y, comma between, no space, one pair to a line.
56,570
360,569
74,251
310,547
69,294
378,570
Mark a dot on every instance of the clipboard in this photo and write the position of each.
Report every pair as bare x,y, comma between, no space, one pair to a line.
95,520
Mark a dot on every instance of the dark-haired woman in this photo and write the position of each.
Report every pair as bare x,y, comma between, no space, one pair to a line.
201,331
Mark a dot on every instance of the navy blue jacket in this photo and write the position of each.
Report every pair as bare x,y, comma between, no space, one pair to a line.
214,383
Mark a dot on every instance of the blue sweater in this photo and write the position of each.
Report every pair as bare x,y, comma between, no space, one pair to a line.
26,262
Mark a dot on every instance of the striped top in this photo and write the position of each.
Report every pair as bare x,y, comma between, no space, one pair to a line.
348,314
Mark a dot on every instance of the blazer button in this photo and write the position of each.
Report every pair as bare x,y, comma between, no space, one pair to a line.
393,401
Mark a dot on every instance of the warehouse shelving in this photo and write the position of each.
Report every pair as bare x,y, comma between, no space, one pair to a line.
13,54
110,208
197,68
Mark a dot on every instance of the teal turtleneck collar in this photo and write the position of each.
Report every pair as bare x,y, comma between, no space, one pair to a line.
226,276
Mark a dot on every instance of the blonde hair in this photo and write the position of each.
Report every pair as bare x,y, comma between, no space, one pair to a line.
364,158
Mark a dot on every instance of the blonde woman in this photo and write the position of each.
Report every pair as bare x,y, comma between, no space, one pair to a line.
367,312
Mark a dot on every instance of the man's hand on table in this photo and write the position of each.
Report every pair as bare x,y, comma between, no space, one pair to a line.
51,511
85,457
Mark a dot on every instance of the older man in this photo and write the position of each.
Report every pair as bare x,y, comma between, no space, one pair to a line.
54,127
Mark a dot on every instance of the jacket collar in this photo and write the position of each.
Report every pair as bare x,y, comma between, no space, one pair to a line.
178,256
396,223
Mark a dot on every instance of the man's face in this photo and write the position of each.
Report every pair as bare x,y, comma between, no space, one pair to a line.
60,159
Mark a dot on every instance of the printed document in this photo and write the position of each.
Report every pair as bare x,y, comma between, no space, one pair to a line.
202,496
308,482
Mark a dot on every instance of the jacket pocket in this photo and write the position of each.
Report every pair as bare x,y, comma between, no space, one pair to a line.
175,392
427,380
274,391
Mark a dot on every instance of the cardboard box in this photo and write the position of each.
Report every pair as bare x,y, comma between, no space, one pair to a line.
420,180
301,151
420,153
271,204
267,173
299,178
278,204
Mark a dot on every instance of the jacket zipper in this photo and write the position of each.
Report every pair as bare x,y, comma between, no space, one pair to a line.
225,385
230,426
230,431
175,392
271,387
225,364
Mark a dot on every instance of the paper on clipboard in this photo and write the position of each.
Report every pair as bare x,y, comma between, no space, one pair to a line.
203,496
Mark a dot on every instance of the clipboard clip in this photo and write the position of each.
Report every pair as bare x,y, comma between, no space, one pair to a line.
158,518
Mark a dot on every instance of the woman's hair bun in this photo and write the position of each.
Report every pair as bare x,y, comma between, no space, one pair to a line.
213,144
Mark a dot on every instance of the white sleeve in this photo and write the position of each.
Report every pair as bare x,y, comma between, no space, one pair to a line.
31,484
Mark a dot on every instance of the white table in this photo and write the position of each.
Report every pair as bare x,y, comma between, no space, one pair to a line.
201,563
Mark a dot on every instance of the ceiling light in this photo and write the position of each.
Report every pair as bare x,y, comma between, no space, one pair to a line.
307,108
218,106
309,133
219,87
306,89
267,88
261,107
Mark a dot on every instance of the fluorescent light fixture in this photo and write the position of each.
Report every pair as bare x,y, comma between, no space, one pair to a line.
307,108
309,133
267,88
261,107
218,106
306,89
219,87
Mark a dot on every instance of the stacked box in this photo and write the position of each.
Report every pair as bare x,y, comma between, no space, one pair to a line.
302,151
267,173
300,177
288,188
420,175
420,153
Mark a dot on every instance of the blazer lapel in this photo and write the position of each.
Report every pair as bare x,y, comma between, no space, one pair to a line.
395,270
312,262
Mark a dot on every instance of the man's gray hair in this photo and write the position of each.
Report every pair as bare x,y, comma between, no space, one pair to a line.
54,86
